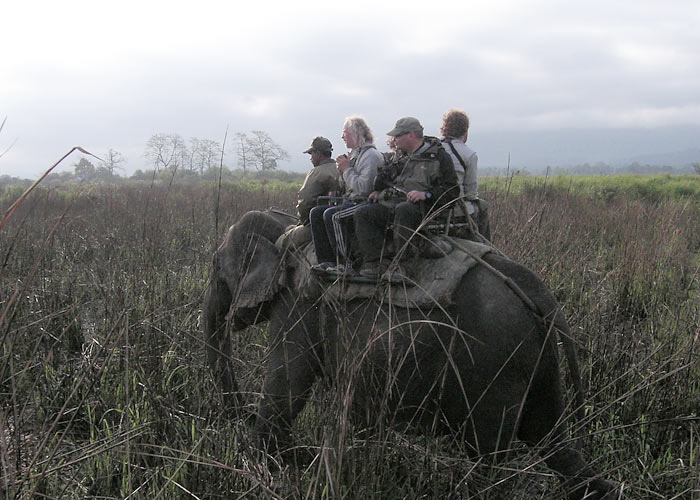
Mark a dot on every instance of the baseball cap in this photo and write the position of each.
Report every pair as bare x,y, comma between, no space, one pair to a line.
320,144
405,125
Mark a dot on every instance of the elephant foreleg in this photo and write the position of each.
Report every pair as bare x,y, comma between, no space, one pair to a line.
285,392
292,367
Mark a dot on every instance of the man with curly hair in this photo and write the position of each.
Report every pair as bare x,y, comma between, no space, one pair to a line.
454,130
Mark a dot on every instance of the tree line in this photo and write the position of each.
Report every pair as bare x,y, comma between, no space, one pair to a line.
257,155
255,152
171,156
598,168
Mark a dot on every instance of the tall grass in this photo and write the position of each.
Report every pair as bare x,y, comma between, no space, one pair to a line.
104,390
655,187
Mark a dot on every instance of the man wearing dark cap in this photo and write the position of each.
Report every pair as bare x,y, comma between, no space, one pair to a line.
321,179
423,181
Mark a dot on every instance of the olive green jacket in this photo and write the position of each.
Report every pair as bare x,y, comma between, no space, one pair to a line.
428,169
320,180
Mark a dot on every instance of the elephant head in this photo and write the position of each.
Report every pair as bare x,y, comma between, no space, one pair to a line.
247,261
247,273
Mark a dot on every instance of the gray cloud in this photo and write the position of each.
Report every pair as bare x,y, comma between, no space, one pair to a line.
112,80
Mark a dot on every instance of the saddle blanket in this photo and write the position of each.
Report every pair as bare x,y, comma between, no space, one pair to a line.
432,281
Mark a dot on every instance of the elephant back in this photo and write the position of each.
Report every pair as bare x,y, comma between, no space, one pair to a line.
433,280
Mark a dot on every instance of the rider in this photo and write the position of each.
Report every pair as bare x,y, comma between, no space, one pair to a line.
425,176
331,226
455,129
320,180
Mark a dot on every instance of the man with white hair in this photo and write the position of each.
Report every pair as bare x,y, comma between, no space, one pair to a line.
332,226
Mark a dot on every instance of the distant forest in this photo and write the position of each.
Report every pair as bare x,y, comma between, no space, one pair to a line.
255,157
85,171
594,169
90,171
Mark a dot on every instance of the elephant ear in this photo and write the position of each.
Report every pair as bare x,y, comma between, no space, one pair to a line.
252,272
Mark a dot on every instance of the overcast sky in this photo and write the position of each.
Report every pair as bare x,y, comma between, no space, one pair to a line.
548,82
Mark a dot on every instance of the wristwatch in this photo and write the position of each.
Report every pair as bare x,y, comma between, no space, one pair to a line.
428,195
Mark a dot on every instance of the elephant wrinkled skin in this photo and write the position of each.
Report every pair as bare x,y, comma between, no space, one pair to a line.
484,368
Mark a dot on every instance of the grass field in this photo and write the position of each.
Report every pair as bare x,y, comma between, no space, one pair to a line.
105,393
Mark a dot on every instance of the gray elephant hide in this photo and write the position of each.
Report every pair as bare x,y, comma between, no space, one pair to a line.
434,280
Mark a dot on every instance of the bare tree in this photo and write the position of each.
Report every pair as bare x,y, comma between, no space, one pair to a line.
243,151
166,151
265,152
696,166
191,160
201,154
207,154
182,154
113,161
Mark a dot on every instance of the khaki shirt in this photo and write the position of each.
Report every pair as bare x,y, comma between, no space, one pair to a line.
320,180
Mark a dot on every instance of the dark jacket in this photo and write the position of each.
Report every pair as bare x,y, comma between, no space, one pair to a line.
429,169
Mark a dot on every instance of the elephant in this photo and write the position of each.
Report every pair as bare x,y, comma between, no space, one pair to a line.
484,368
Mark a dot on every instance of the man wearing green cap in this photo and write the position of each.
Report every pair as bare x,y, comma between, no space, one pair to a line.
321,179
422,182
